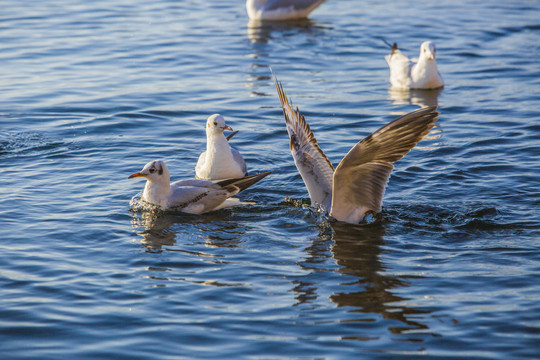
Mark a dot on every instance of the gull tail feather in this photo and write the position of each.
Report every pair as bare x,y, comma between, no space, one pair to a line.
231,135
239,184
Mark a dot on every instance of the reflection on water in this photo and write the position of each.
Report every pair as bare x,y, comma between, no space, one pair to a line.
357,251
191,238
422,98
159,229
260,32
366,287
155,231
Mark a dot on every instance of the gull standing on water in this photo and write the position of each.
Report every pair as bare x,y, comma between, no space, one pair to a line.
189,196
219,161
280,9
406,74
356,187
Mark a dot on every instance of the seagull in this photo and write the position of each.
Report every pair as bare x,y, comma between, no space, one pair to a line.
412,74
190,196
356,187
219,161
280,9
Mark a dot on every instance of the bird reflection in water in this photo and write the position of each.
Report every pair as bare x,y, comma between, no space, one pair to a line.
154,230
261,32
366,287
422,98
159,230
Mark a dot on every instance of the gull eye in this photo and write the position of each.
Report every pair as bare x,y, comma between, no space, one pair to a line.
215,123
152,170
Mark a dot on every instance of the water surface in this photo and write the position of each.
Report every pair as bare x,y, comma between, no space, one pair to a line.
91,91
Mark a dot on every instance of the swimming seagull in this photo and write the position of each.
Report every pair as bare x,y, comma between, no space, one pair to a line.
219,161
411,74
280,9
189,196
356,187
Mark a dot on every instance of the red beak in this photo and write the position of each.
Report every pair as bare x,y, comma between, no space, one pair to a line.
135,175
227,127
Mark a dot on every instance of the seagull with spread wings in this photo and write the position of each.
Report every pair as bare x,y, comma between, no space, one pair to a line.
356,186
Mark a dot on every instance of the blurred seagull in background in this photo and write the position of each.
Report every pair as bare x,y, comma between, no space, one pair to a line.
189,196
356,187
421,73
280,9
219,161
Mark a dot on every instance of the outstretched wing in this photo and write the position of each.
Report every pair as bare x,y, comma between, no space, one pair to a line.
362,175
314,167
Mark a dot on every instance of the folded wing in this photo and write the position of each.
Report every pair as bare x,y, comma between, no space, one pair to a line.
196,196
200,196
361,177
313,165
239,160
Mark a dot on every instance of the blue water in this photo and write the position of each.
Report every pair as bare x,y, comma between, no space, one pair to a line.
92,90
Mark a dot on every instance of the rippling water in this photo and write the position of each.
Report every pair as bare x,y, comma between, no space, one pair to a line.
92,90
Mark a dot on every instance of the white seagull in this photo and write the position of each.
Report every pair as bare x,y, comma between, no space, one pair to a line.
411,74
219,161
274,10
189,196
356,187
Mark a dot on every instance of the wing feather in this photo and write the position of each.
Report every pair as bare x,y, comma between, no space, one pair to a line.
196,198
362,175
314,167
239,160
200,196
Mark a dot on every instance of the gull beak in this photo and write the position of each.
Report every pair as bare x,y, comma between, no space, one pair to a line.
135,175
227,127
431,56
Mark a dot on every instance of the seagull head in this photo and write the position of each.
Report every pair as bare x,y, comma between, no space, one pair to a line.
216,124
428,51
155,171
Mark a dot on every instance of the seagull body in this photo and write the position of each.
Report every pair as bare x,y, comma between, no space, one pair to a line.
356,187
275,10
190,196
219,161
406,74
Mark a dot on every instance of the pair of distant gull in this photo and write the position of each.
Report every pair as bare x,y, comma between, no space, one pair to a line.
348,193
